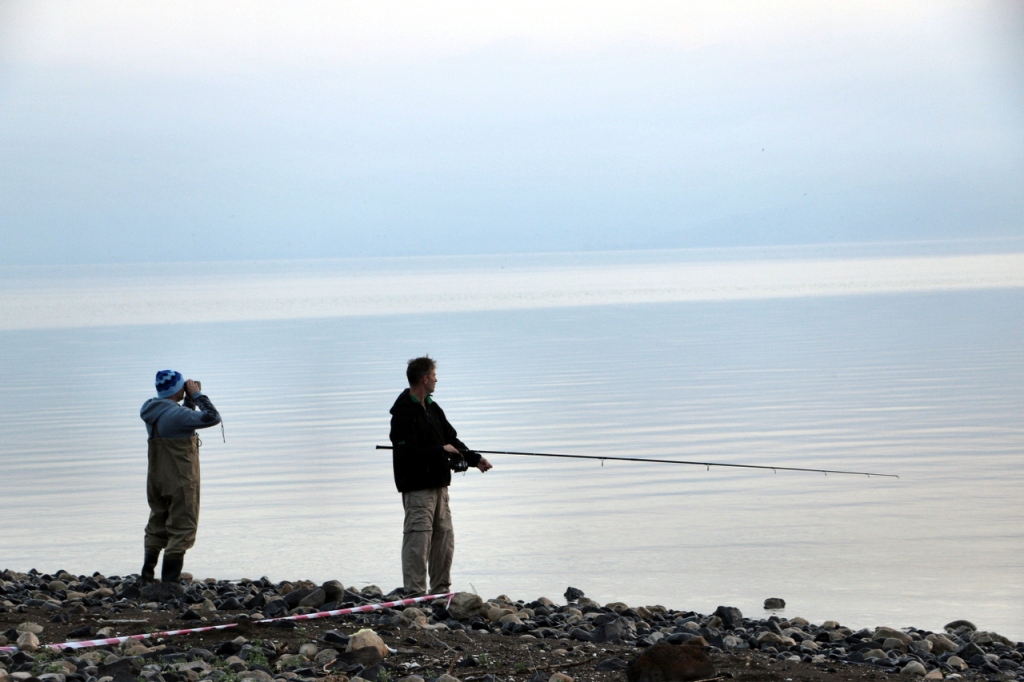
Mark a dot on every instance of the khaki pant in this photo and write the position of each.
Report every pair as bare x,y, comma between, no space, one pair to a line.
428,542
172,488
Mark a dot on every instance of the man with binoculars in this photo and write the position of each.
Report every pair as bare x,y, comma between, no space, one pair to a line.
172,482
425,451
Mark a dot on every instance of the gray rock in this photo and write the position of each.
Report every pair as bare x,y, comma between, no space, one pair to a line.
573,594
580,635
465,605
891,643
957,624
957,663
314,599
769,638
884,633
275,608
29,626
257,675
27,641
734,642
941,644
333,590
729,615
774,603
921,647
615,631
982,637
914,668
610,665
293,598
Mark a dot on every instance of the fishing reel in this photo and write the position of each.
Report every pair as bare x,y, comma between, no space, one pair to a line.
458,463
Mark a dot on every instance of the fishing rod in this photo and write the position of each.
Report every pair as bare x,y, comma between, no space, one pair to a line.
708,465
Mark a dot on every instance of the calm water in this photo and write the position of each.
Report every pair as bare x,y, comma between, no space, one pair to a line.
925,384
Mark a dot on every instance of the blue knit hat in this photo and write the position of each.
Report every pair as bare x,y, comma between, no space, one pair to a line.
168,382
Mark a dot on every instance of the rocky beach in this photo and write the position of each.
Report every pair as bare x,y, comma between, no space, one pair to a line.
464,639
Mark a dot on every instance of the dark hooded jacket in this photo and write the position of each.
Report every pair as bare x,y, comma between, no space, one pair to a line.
418,437
176,421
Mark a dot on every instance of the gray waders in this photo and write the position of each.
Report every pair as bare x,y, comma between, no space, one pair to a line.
172,488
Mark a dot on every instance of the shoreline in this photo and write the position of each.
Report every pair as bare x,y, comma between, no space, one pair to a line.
500,638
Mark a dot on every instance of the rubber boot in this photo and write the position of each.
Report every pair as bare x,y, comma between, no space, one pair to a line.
171,570
149,565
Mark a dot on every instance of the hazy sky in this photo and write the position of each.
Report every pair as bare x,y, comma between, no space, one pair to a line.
186,131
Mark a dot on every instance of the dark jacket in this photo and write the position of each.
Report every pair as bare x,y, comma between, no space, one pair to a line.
418,437
176,421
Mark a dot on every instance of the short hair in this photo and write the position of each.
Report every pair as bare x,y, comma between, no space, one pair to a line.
419,368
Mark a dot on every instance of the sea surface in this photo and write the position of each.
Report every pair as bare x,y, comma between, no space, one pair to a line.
898,359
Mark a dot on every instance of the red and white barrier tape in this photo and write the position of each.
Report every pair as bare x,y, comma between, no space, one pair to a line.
84,644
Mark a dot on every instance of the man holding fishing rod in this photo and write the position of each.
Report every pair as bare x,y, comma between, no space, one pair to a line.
425,452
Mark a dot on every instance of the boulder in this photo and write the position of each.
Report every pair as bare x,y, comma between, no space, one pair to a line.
729,615
333,590
892,643
884,633
29,626
275,608
769,638
667,663
366,638
27,641
982,637
256,676
315,599
914,669
573,594
774,603
941,644
616,631
957,663
921,647
465,605
610,665
295,596
957,624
